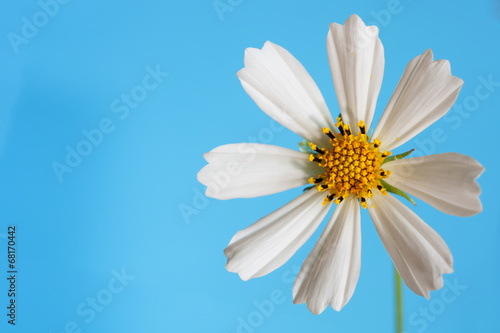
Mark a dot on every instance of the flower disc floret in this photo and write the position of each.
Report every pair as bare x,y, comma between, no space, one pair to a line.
351,166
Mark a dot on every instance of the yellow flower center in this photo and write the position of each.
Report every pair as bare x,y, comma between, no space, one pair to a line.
352,165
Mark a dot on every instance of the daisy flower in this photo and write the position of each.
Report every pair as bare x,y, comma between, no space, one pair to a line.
345,167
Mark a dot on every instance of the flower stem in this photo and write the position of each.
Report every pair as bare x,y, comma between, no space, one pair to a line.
399,301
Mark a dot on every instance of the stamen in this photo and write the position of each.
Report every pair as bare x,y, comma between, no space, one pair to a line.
327,132
341,130
322,187
314,158
316,148
347,129
362,127
363,202
313,180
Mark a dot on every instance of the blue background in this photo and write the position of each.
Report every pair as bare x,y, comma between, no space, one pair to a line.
120,208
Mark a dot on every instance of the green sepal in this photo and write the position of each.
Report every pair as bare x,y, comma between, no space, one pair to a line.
397,157
305,148
308,188
397,191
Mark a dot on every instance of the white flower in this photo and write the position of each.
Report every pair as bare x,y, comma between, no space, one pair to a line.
345,166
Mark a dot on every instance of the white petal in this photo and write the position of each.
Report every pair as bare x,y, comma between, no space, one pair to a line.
271,241
248,170
444,181
425,92
283,89
330,272
356,58
418,252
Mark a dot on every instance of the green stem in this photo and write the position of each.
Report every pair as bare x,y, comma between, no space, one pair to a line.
399,301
